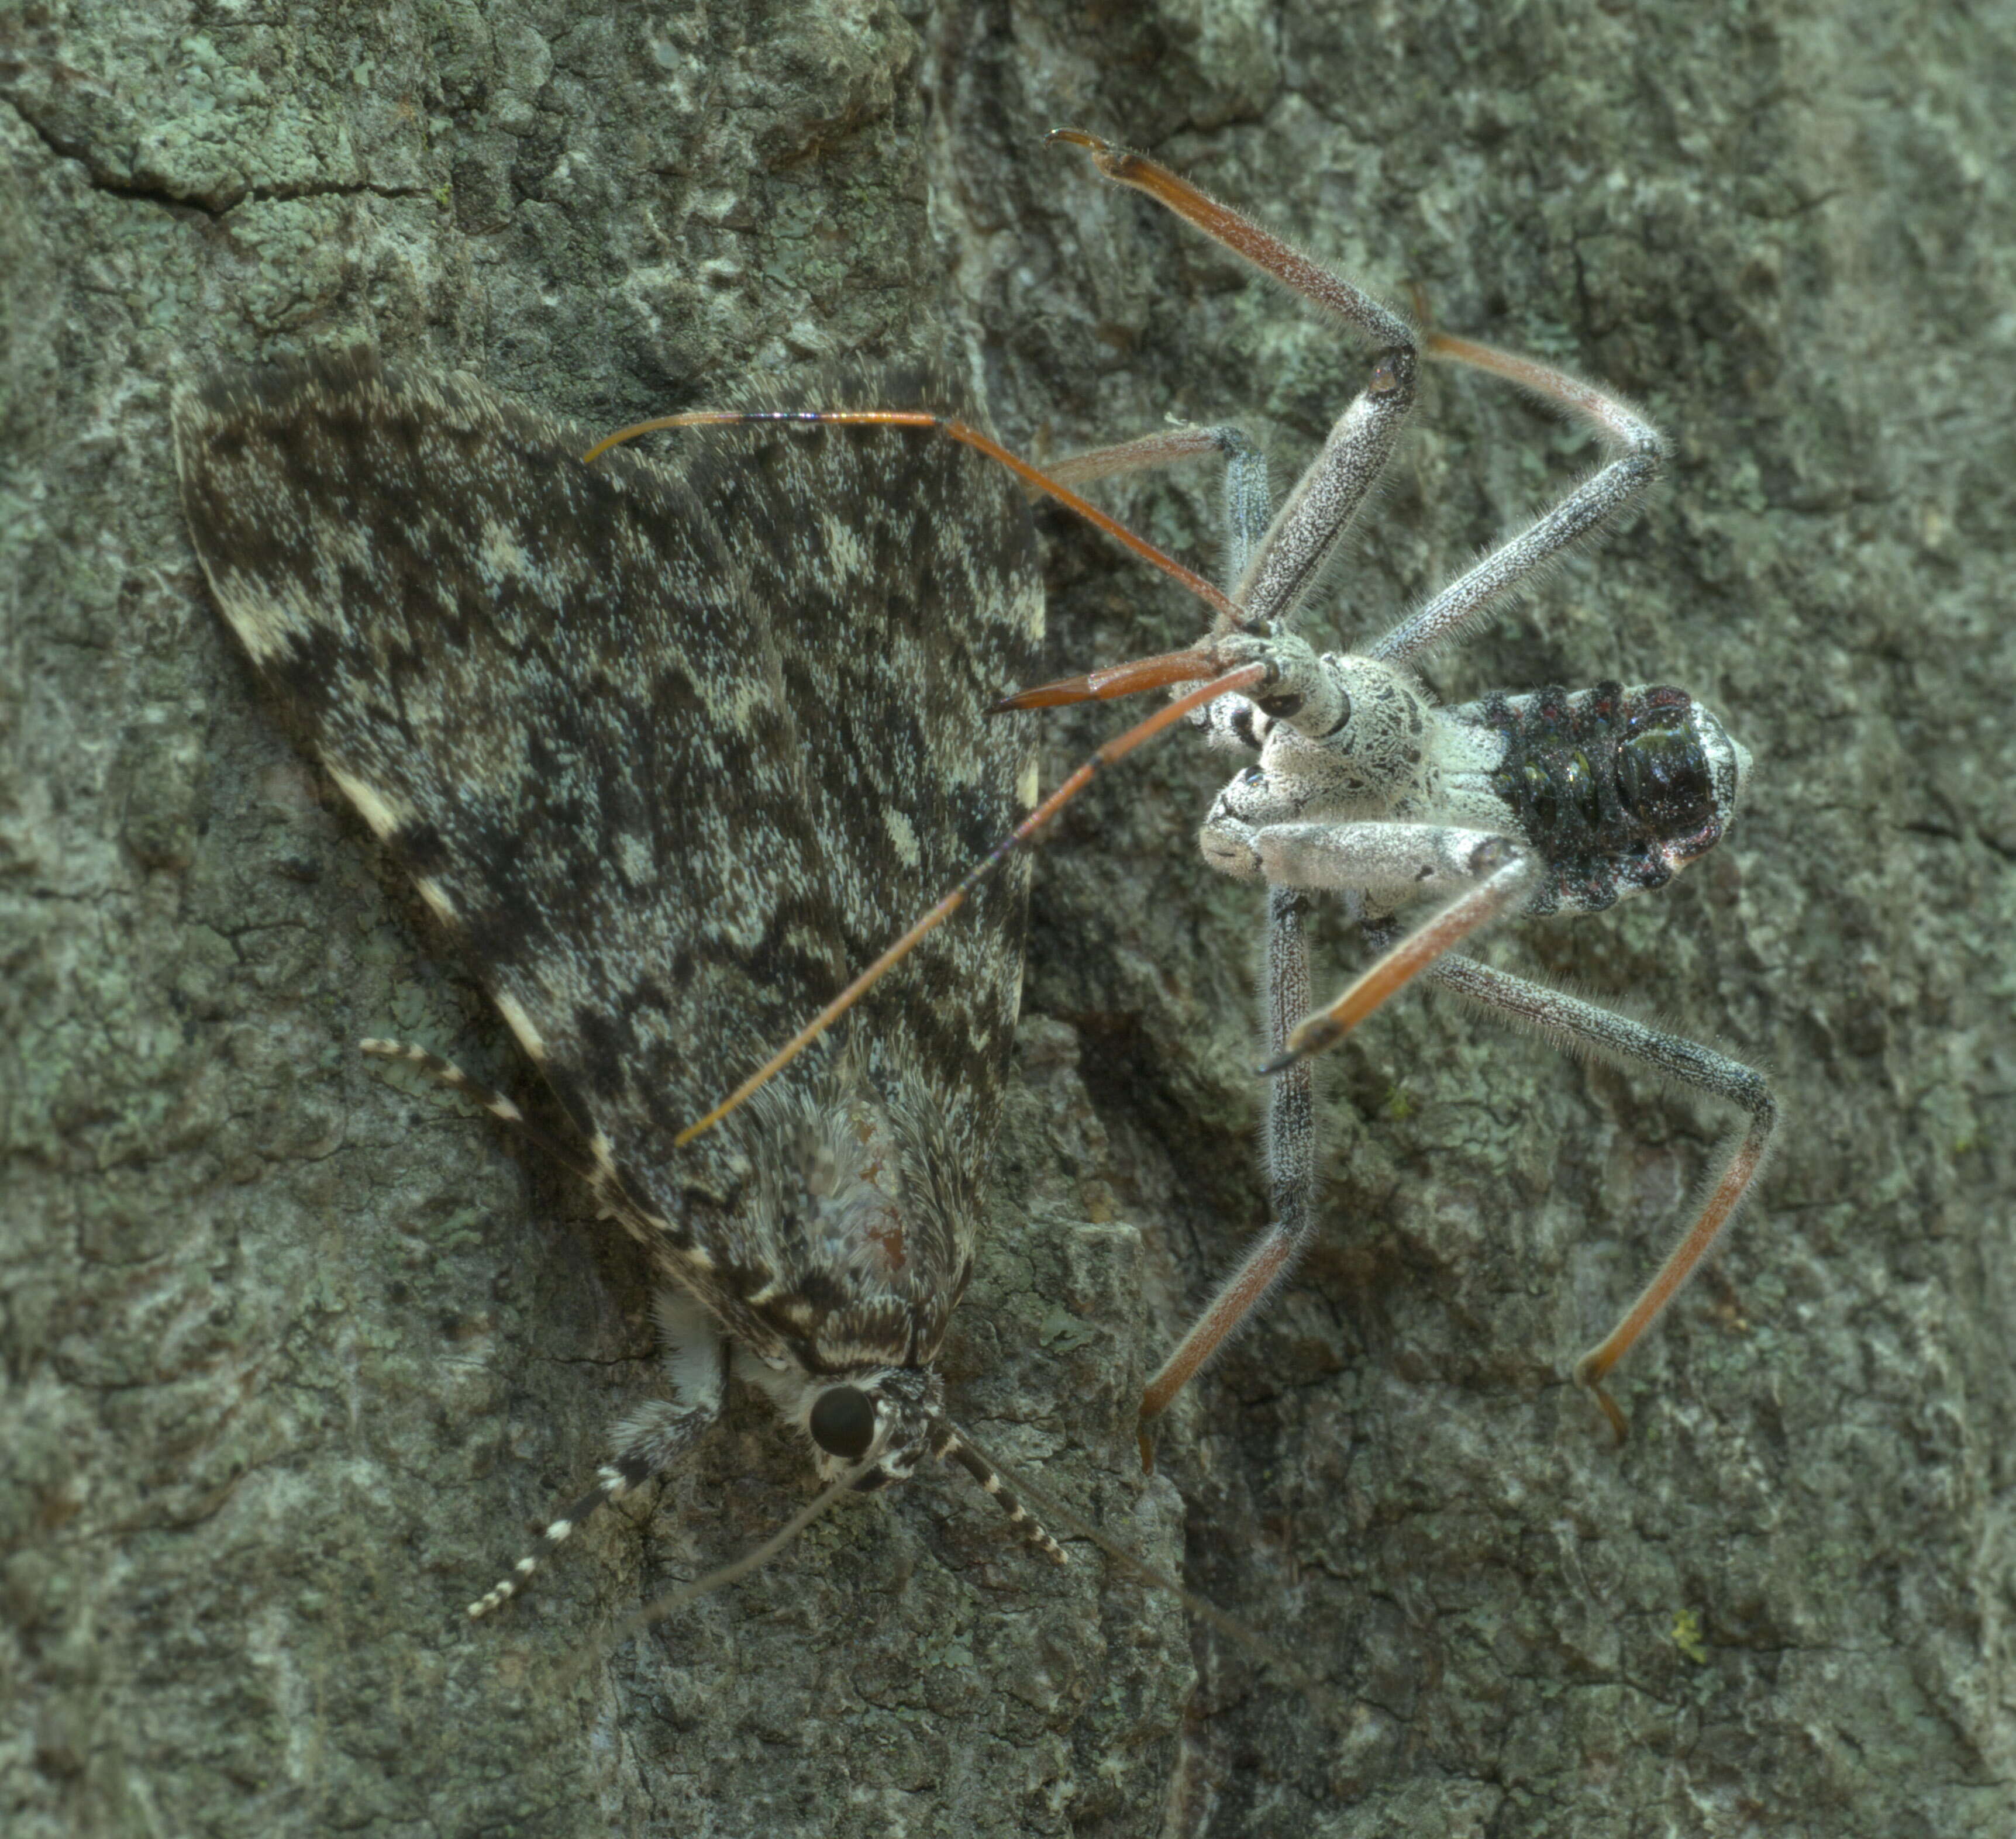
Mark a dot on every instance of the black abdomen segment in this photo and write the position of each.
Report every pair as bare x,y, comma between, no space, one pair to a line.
1612,786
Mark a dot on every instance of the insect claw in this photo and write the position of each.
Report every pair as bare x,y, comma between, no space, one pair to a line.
1620,1425
1589,1373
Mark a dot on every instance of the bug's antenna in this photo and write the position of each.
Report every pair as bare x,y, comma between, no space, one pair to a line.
1136,676
754,1560
1247,678
967,435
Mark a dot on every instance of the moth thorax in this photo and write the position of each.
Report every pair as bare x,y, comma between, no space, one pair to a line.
853,1181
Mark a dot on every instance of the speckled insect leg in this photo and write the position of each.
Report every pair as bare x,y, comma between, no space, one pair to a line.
1424,857
1638,456
1504,874
1291,1143
1318,513
1572,1024
1229,722
648,1442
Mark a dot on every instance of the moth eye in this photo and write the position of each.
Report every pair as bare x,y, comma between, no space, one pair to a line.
842,1423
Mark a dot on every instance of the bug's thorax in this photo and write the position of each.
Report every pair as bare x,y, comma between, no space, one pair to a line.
1371,744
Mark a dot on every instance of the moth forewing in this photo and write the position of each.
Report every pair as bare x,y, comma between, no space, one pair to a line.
668,745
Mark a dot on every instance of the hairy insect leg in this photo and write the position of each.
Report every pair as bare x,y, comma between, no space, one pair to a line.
1244,237
1357,855
1289,1129
1248,498
1290,1142
1582,1027
649,1440
1505,874
1638,455
1290,1125
1320,509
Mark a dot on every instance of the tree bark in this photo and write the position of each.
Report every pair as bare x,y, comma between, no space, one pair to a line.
295,1353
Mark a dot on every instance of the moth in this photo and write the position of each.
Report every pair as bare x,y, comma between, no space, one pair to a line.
668,748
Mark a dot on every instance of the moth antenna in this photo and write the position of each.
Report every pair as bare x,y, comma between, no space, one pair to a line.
1247,677
611,1484
446,1073
969,1455
954,1446
750,1560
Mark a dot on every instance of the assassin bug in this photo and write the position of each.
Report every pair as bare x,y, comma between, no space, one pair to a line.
1429,823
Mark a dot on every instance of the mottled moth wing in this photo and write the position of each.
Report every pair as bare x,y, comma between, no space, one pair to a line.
671,746
909,779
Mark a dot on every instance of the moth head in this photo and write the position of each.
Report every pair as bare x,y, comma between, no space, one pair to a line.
873,1425
880,1422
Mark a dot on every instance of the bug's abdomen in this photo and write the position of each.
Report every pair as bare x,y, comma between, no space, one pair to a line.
1616,789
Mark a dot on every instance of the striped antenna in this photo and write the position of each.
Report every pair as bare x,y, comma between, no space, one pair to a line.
953,1445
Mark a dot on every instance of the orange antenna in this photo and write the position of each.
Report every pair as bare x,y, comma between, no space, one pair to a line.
1248,676
1179,668
1032,476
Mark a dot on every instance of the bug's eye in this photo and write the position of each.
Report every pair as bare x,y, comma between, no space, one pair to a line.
842,1423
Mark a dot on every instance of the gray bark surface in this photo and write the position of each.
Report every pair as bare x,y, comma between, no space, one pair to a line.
294,1353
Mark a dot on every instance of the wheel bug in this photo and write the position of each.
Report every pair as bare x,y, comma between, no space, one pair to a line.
1539,802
